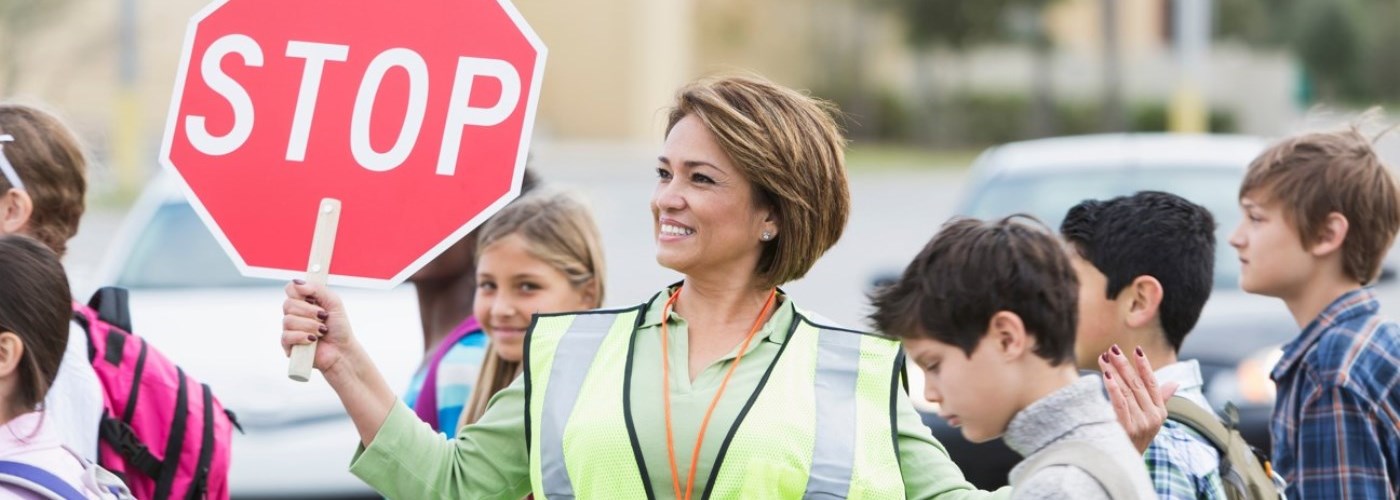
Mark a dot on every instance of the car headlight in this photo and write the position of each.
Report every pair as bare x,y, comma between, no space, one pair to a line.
1249,383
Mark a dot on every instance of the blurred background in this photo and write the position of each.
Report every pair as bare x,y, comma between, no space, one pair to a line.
914,76
927,87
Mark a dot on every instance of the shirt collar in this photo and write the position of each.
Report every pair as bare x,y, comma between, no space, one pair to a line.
1052,417
783,315
26,430
1187,375
1353,304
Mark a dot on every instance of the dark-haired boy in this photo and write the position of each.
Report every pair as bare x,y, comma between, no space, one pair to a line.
1321,211
1145,265
987,310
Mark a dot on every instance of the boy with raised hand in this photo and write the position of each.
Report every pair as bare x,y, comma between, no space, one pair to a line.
1145,265
987,310
1321,210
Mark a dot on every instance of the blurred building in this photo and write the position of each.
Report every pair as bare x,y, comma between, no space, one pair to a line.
614,65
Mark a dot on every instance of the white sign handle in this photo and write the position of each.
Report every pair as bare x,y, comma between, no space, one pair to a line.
317,269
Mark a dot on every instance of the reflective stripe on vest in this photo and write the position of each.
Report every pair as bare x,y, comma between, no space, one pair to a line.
565,381
594,347
581,449
836,415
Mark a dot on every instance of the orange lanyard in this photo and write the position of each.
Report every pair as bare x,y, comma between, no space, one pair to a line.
666,393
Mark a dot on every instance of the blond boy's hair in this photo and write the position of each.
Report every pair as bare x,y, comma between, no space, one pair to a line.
1315,174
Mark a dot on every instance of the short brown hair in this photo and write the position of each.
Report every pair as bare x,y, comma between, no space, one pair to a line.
788,145
973,269
35,304
1315,174
49,161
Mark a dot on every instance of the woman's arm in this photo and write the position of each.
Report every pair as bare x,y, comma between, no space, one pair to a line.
401,456
315,313
487,459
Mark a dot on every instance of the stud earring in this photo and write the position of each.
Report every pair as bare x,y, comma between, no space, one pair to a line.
766,236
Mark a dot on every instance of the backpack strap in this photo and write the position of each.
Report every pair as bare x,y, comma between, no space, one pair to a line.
426,406
113,306
206,449
1200,420
38,481
1235,453
176,441
1085,457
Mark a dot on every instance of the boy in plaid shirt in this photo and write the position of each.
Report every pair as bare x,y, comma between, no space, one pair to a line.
1321,210
1145,265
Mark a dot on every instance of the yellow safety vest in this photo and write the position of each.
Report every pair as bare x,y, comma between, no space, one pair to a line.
583,445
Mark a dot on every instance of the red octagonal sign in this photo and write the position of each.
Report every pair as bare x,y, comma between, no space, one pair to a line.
415,114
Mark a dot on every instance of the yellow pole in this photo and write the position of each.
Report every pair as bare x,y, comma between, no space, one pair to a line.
1188,113
126,142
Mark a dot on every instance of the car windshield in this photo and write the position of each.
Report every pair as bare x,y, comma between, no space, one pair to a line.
1047,196
176,250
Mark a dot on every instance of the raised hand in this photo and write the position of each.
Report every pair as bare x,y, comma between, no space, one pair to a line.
1137,400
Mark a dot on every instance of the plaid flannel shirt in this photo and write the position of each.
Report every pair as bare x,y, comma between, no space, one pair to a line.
1182,463
1336,424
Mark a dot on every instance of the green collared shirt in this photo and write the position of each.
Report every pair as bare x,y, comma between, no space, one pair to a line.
489,459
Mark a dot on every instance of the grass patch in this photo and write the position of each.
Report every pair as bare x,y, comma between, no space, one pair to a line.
877,157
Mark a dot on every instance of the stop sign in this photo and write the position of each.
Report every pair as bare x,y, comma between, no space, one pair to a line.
415,114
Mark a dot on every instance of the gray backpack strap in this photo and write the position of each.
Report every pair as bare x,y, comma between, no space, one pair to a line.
1245,474
1085,457
1199,419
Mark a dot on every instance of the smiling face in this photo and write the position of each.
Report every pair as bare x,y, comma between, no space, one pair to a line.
972,391
703,210
512,285
1273,260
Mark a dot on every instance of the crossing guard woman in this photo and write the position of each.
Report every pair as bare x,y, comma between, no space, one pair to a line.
718,386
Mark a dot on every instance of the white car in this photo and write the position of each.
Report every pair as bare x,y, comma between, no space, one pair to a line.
189,301
1238,336
1237,331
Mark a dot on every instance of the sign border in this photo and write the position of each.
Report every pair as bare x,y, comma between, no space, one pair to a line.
523,153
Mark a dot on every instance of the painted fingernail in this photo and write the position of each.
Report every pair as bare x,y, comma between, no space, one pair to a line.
1139,353
1107,376
1115,350
1103,357
323,329
322,315
311,300
299,281
311,338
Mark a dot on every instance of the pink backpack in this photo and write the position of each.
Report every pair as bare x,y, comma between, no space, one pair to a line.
162,431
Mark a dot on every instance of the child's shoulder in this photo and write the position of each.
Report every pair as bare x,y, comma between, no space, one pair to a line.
1360,353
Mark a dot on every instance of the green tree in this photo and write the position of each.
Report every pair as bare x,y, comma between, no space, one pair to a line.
961,25
1329,46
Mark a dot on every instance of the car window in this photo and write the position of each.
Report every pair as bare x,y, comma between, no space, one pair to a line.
1047,196
176,250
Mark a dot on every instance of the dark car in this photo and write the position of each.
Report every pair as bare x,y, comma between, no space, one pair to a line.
1238,337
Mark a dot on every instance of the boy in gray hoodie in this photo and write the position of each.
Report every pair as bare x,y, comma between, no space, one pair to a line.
988,311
